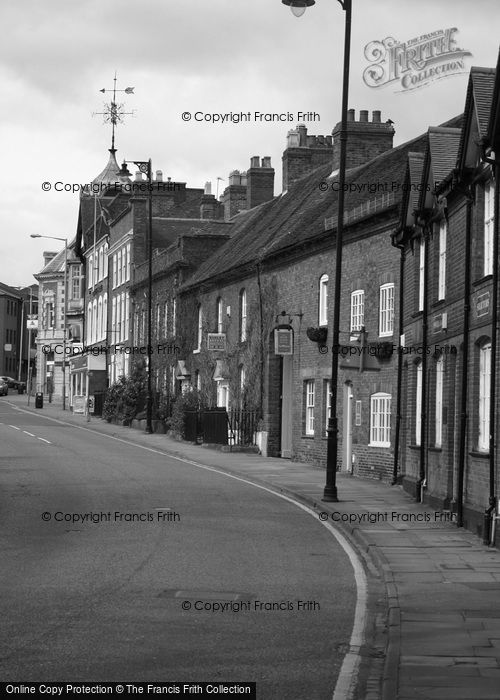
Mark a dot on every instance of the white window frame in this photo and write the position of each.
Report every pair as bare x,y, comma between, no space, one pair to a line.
439,402
489,215
220,316
443,230
386,310
243,315
328,403
418,403
483,440
357,310
127,267
165,319
323,301
310,391
421,274
380,419
91,271
124,266
200,328
126,321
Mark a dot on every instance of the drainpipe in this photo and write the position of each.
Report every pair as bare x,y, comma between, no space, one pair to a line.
422,481
261,344
489,511
400,366
465,361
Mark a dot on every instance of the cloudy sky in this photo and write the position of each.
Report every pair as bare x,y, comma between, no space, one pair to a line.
200,57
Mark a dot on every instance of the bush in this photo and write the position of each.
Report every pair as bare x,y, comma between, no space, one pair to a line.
188,401
126,397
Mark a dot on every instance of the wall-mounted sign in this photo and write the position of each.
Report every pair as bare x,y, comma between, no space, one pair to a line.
32,323
216,341
483,304
283,341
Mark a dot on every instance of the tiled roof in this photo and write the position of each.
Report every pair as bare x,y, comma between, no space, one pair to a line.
56,265
6,290
298,217
476,113
483,80
494,120
443,150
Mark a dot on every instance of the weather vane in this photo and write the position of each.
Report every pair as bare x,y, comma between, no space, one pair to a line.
114,112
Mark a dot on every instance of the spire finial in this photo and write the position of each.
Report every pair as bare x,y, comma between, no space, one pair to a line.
114,112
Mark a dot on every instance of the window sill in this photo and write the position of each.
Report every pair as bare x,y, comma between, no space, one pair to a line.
197,351
435,448
417,314
482,280
437,304
308,437
384,445
480,454
386,335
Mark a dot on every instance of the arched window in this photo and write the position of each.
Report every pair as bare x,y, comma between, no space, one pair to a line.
99,319
323,300
89,323
104,328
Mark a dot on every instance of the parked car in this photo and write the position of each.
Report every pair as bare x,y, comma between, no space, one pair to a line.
11,382
4,387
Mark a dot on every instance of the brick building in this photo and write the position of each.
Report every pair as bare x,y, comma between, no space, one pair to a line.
274,273
448,237
17,353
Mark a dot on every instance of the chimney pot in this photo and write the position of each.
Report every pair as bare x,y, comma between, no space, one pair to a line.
351,115
159,176
363,115
138,176
266,162
255,162
208,187
376,117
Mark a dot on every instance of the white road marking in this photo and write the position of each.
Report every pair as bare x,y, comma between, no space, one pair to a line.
25,431
346,681
15,427
44,440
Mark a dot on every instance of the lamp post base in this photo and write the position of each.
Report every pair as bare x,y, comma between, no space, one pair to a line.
330,494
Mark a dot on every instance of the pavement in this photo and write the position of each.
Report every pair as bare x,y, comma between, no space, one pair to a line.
441,618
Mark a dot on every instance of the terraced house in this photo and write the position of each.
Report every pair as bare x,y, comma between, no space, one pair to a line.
448,237
266,293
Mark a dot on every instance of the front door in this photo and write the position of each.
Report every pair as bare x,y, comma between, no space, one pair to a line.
347,429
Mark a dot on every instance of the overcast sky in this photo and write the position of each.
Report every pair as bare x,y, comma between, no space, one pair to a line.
197,56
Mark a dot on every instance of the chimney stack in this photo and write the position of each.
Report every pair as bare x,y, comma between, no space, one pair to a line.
365,140
48,255
234,197
304,153
260,182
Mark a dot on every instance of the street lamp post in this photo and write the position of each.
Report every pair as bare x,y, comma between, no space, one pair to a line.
145,167
298,8
65,308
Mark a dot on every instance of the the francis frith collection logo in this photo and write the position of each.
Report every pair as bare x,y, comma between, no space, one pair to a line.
416,62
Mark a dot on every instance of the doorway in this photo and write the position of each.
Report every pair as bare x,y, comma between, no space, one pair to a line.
347,429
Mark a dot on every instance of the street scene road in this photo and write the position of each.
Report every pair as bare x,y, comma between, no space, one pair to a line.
121,563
